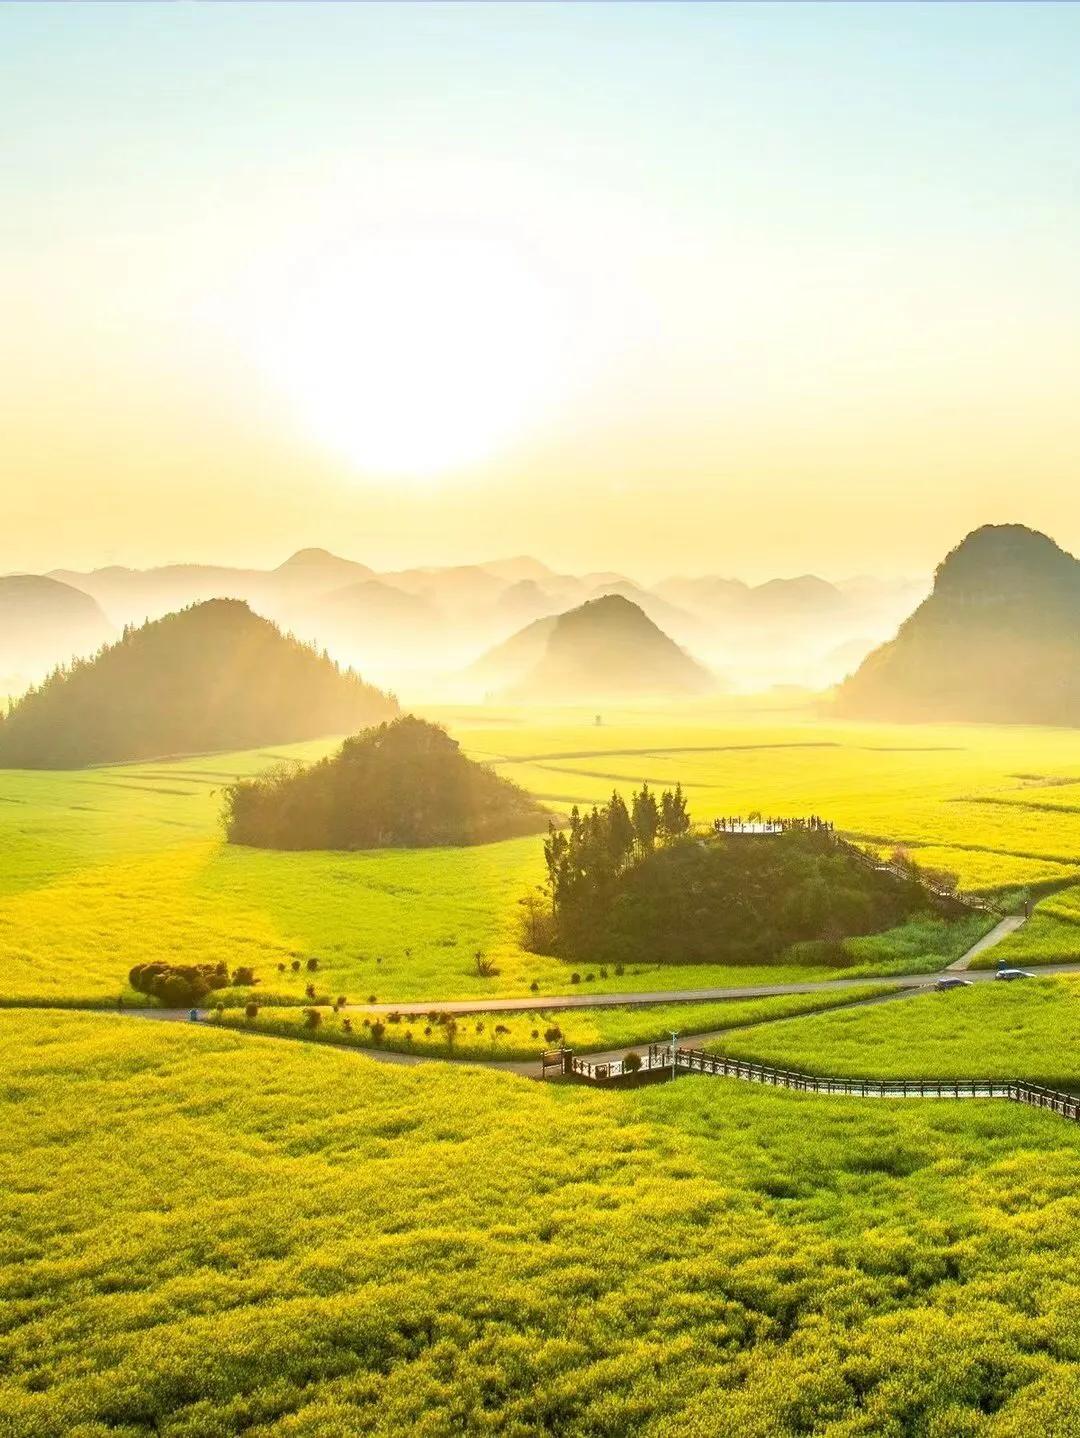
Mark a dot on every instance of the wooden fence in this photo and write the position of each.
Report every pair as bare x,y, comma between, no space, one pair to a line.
659,1057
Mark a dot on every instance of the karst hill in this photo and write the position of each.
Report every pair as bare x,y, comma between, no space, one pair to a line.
997,640
607,647
211,677
43,622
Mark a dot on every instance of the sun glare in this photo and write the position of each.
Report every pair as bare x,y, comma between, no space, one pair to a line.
418,357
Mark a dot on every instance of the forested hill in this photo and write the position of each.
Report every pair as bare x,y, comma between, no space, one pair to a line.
400,785
998,639
214,676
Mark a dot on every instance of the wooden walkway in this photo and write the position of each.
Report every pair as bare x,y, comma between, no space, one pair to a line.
697,1061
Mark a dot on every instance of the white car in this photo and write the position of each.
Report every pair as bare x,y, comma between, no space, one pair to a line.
1009,974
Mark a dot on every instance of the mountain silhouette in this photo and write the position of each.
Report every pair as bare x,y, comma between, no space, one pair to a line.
605,647
997,640
44,622
215,676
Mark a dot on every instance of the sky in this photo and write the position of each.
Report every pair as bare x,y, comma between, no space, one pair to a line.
739,289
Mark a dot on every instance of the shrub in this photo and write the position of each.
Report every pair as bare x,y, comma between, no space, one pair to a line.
312,1018
553,1035
575,978
620,969
341,1001
243,977
484,966
377,1031
589,978
251,1011
394,1018
309,989
312,964
346,1026
534,987
631,1063
295,966
372,999
500,1030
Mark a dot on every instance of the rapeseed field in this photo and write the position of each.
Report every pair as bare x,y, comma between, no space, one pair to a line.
206,1234
1027,1029
104,868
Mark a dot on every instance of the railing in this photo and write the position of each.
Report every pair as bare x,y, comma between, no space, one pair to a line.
658,1056
697,1061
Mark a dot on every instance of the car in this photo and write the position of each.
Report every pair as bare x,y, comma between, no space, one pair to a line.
953,984
1009,974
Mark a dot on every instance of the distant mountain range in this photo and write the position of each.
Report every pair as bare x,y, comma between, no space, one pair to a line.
44,622
997,640
211,677
605,648
425,627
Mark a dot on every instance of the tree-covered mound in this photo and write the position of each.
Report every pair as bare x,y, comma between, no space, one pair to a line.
214,676
405,784
998,639
634,884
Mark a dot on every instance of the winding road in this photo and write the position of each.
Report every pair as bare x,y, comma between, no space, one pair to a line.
904,986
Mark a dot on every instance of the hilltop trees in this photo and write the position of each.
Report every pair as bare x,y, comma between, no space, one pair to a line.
585,860
629,883
404,784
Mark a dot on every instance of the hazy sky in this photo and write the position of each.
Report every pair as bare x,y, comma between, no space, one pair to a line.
742,289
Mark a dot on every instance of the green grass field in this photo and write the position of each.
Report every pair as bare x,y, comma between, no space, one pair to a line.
323,1246
104,868
520,1036
1029,1029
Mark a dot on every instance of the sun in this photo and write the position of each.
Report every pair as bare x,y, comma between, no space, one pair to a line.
415,356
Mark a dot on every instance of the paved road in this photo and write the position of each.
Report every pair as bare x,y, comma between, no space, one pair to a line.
540,1002
1008,925
699,1040
904,986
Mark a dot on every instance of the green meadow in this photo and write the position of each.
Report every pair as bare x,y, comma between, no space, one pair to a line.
104,868
207,1234
521,1036
1027,1029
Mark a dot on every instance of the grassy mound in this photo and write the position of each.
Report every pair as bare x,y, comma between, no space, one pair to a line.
400,785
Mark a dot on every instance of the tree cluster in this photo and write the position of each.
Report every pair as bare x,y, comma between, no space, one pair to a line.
585,860
631,884
404,784
181,986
